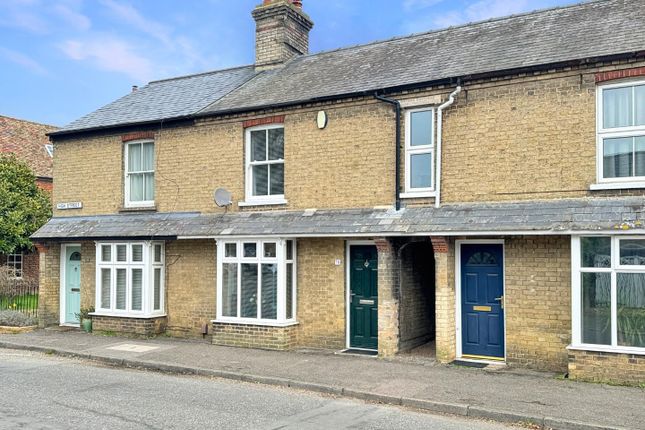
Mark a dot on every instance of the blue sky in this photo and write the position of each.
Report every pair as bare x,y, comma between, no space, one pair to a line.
61,59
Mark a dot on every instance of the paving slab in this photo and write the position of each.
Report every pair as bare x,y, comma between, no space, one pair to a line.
504,395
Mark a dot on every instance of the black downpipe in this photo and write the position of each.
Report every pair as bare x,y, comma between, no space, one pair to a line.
397,157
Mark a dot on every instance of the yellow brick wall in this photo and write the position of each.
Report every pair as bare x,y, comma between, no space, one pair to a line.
526,137
538,301
49,288
190,286
321,293
627,369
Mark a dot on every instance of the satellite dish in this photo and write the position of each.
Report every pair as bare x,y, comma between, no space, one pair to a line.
223,197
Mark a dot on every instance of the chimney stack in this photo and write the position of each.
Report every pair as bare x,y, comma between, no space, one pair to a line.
281,32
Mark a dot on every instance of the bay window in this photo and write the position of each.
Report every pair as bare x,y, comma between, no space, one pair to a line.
130,279
256,281
609,293
139,174
621,133
419,153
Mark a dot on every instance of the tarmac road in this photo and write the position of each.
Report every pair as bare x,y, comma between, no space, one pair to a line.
38,391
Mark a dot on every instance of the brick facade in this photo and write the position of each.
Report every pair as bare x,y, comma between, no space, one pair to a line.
138,326
628,369
254,336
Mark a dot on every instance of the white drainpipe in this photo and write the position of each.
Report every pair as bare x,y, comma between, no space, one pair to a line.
448,103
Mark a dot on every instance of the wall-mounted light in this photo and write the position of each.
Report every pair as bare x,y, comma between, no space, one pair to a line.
322,119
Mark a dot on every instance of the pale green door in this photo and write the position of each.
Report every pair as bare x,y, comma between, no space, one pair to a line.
72,283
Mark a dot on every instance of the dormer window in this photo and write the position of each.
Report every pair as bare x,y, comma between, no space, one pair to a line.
621,135
140,174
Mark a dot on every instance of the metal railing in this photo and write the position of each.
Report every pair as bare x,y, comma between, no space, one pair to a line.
19,295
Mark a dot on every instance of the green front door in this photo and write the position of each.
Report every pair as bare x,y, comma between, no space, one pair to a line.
363,304
72,283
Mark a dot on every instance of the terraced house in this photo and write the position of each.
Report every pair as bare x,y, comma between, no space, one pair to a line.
480,187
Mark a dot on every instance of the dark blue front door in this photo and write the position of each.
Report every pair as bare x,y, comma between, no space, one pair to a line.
482,300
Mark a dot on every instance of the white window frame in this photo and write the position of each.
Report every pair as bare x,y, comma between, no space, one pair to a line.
280,259
50,150
127,173
416,150
148,265
251,200
576,294
11,264
615,132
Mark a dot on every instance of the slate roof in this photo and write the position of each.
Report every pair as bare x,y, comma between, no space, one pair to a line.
561,35
27,140
165,99
533,217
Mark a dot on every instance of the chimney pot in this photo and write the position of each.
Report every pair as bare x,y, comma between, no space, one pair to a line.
134,88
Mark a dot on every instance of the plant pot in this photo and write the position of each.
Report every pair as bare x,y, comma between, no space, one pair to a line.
86,325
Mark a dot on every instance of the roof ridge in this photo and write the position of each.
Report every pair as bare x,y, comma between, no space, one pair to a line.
192,75
29,121
452,27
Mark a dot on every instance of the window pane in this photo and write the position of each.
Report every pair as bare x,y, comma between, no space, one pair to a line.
617,107
230,250
289,249
632,252
596,309
106,281
421,128
148,156
149,187
136,187
258,145
250,250
137,289
157,289
270,249
289,290
121,253
229,289
421,170
137,252
596,252
157,253
106,253
617,157
269,291
260,180
639,101
631,309
639,148
276,144
249,305
134,157
277,179
120,288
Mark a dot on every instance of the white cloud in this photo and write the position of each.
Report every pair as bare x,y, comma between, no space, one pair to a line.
111,54
23,60
127,13
476,11
23,15
72,17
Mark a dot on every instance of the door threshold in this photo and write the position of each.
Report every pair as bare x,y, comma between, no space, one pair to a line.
359,351
482,359
70,325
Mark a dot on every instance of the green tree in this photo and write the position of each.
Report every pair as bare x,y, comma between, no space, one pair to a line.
24,207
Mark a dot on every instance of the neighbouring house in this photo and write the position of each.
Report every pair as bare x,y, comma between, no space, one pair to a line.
28,141
480,187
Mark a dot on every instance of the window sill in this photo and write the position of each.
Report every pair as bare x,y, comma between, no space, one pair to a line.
609,349
125,315
127,209
616,186
415,195
266,202
258,323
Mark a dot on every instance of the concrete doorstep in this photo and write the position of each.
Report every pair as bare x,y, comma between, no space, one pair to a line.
457,409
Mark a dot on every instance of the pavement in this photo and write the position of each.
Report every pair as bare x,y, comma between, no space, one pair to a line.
501,394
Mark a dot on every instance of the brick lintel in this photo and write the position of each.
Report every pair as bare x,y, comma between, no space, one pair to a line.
276,119
620,74
138,135
439,244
